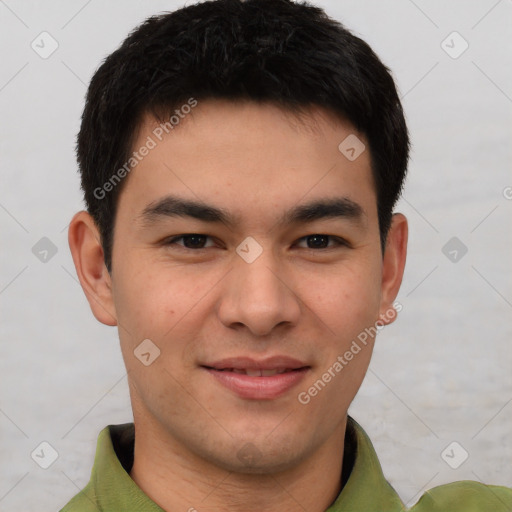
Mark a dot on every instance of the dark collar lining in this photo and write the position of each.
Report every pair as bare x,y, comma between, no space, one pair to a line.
349,452
123,441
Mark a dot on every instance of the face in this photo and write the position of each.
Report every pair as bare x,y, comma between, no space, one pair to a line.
247,250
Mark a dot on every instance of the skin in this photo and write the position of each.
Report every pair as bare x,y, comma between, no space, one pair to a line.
206,304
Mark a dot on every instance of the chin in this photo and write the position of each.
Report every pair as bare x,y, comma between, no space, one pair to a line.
259,464
260,455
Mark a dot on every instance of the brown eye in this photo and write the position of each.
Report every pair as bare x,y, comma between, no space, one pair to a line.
319,241
190,241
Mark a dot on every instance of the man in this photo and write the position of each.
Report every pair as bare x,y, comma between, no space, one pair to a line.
240,163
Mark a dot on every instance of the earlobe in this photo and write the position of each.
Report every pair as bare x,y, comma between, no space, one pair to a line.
85,245
393,266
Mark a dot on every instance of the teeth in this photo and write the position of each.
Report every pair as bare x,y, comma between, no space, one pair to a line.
254,373
259,373
269,373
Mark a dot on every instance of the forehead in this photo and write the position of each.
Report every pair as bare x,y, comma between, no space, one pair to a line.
247,124
240,155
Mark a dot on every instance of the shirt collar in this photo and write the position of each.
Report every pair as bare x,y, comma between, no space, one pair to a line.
366,488
111,487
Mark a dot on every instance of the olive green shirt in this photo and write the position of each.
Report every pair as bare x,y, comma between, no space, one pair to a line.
364,488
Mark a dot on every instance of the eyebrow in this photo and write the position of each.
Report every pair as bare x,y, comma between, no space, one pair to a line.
172,206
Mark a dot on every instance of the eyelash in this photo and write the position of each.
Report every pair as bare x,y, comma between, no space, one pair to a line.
340,242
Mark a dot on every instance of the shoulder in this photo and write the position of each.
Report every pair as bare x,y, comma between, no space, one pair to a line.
467,496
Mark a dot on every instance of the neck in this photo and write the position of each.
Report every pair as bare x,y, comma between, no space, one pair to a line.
177,479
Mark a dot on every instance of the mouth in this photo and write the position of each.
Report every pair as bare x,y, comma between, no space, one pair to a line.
258,372
258,380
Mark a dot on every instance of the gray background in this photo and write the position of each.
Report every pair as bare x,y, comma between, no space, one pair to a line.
440,374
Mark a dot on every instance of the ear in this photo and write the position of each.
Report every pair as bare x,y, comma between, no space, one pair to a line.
84,242
393,267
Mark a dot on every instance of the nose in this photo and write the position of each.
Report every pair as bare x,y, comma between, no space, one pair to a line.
258,296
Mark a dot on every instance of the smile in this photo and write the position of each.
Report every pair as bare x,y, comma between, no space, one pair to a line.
256,372
253,379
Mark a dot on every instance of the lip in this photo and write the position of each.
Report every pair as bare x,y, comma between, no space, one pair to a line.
262,387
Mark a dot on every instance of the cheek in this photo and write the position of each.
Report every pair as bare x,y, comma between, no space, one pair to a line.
349,301
146,307
155,299
167,306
